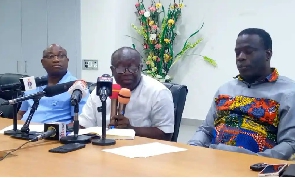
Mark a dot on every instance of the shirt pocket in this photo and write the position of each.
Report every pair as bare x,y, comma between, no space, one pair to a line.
60,104
139,118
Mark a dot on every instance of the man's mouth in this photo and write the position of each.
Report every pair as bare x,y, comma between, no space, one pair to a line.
56,66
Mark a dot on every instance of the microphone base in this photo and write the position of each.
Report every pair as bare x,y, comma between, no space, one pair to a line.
25,136
13,132
103,142
83,139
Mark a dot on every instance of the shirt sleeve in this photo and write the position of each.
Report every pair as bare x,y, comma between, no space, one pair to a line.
88,118
203,135
24,106
163,111
286,131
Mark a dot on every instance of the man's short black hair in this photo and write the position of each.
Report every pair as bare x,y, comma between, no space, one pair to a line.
265,37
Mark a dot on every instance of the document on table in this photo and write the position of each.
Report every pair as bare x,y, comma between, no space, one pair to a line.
144,150
116,134
36,128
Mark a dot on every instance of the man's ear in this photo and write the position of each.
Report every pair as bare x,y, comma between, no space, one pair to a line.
42,62
112,69
268,54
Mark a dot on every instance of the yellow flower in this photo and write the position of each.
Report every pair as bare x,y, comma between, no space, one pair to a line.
172,7
149,57
166,57
151,23
170,21
167,40
181,5
158,5
152,64
155,58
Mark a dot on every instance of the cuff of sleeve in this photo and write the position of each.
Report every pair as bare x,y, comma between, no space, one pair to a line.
85,123
167,129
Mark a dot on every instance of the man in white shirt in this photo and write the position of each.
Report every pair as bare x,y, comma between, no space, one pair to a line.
150,111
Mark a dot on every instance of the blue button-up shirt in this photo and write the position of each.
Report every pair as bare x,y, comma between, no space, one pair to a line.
52,109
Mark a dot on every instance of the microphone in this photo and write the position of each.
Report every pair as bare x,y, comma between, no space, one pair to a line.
123,98
49,91
114,99
78,91
52,131
37,82
103,90
104,86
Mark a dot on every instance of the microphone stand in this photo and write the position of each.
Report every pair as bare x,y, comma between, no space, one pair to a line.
25,130
103,141
82,139
14,117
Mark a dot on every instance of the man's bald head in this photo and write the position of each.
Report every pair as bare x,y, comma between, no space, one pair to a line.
54,47
126,67
55,60
125,53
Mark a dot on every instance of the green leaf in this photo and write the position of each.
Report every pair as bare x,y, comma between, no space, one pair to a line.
210,61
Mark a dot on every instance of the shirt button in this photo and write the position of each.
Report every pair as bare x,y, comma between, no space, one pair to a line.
222,141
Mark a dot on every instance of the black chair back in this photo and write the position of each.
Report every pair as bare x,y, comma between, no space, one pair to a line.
9,78
179,93
6,111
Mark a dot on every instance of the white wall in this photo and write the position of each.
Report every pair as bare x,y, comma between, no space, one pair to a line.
105,24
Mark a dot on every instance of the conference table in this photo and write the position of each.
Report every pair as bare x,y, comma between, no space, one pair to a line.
35,160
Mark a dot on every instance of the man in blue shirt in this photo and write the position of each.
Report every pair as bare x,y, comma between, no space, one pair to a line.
57,108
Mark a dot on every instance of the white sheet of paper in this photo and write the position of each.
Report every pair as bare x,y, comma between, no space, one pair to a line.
144,150
36,128
116,132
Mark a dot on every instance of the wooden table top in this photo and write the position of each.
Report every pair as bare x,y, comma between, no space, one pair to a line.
35,160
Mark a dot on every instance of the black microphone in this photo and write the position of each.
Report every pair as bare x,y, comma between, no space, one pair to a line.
104,86
40,81
49,91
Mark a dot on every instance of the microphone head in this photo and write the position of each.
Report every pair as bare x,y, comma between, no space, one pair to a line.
115,91
57,89
79,85
124,96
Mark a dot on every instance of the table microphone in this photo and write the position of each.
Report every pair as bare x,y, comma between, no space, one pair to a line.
52,131
123,99
49,91
114,99
78,91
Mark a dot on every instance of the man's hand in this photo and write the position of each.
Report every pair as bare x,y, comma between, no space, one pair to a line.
120,122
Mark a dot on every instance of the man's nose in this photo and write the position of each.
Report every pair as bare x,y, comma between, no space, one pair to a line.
55,59
241,56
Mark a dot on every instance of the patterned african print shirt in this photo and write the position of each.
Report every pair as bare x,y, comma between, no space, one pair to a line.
257,118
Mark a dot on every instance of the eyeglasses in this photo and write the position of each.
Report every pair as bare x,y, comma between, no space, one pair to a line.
122,70
59,56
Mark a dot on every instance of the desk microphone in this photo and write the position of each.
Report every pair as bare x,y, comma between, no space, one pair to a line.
49,91
78,91
26,83
123,99
52,131
114,99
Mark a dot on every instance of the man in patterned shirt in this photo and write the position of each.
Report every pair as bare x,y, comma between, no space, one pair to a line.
255,113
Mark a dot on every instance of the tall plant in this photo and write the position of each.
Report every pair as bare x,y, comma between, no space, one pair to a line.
158,29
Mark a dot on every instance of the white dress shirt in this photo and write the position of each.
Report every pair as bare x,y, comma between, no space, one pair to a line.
150,105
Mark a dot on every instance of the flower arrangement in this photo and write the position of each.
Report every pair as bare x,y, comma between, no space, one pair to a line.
158,38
